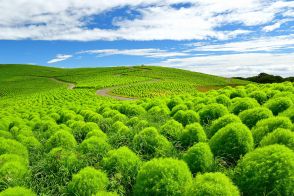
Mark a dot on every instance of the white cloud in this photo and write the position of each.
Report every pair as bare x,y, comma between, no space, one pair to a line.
59,57
69,19
237,64
275,26
146,52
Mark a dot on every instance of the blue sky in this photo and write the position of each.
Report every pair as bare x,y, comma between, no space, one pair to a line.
220,37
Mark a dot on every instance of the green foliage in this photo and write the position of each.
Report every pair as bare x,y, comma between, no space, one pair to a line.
172,130
61,139
163,176
268,125
88,181
193,133
199,158
149,143
231,142
212,184
279,104
122,166
288,113
279,136
259,96
266,171
251,116
17,191
224,100
104,193
241,104
222,122
8,146
186,117
212,112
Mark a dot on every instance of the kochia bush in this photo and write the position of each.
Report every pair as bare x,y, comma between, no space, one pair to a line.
163,176
241,104
88,181
193,133
224,100
232,142
61,139
8,146
211,184
172,130
212,112
266,171
17,191
222,122
252,116
288,113
186,117
279,136
259,96
279,104
199,158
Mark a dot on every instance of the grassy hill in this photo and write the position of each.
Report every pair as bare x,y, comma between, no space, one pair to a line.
138,81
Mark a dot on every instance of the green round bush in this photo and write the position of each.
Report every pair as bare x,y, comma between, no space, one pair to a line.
268,125
241,104
266,171
279,104
158,114
199,158
177,108
105,193
97,133
232,142
149,143
123,164
279,136
163,176
61,139
172,130
238,93
5,134
186,117
9,146
224,100
251,116
288,113
174,101
87,181
222,122
212,112
17,191
259,96
212,184
4,158
193,133
94,149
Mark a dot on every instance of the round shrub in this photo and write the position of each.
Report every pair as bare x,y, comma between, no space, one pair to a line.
97,133
268,125
224,100
212,112
172,130
288,113
105,193
178,108
279,104
94,148
212,184
241,104
120,135
123,164
9,146
174,102
5,134
17,191
238,93
231,142
266,171
222,122
163,176
158,114
88,181
251,116
4,158
259,96
186,117
149,143
199,158
61,139
279,136
192,134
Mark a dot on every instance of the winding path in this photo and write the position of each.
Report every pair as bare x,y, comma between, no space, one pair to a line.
70,85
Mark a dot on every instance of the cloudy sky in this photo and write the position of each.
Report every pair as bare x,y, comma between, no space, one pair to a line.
220,37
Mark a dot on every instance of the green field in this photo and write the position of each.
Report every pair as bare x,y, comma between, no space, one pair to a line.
69,132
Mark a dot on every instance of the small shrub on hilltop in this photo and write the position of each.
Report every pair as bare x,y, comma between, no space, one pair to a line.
193,133
279,136
61,139
252,116
172,130
211,184
122,166
17,191
232,142
94,149
278,105
149,143
222,122
8,146
266,171
186,117
87,182
199,158
241,104
212,112
163,176
259,96
268,125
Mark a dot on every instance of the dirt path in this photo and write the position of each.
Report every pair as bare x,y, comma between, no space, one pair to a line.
106,92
